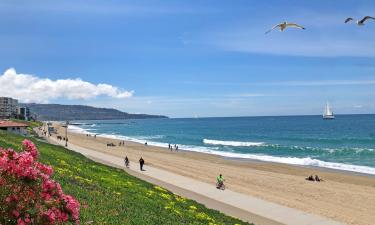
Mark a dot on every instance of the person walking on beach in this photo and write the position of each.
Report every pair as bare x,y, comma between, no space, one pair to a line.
141,163
126,160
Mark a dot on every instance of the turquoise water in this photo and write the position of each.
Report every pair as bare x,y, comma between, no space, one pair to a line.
346,143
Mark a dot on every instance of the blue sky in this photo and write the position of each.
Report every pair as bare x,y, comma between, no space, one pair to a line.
187,58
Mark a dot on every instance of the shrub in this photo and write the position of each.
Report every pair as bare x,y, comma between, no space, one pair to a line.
28,195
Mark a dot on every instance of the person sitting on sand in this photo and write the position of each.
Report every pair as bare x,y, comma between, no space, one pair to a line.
310,178
317,178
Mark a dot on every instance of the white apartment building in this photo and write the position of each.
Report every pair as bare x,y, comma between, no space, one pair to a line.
8,107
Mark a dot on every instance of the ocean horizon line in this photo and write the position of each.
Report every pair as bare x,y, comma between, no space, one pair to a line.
302,115
218,117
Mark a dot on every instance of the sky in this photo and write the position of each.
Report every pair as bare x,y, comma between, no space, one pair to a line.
190,58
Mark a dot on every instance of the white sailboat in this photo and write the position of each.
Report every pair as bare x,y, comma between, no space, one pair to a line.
328,114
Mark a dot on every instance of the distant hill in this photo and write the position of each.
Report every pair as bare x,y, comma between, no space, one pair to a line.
81,112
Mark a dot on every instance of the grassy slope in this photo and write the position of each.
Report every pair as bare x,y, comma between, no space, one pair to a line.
111,196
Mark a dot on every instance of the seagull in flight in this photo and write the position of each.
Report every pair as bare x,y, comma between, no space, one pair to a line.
360,22
284,25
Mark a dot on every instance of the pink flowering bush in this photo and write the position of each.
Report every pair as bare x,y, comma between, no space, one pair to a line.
28,195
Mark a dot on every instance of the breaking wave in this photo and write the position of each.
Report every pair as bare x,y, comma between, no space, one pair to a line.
232,143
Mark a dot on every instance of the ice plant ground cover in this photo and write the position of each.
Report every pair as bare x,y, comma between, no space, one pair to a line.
111,196
28,195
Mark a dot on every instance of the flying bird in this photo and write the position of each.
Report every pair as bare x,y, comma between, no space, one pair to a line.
360,22
284,25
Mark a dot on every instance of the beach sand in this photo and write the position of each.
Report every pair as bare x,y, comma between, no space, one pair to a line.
343,196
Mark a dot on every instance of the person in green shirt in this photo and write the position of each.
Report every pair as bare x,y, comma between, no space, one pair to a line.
220,181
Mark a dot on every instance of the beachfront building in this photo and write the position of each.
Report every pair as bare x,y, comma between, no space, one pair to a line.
14,127
23,113
8,107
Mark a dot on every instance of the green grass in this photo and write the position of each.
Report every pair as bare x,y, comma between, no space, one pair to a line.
111,196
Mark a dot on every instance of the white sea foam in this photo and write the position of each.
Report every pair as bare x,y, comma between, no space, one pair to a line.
79,130
215,151
232,143
149,137
291,160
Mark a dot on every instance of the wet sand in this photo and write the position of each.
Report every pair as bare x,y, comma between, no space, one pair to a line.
343,196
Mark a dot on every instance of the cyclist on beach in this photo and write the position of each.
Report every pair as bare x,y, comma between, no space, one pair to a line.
220,182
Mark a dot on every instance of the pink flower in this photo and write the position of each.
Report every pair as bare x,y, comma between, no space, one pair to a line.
27,220
16,213
20,222
50,215
28,146
44,168
34,198
72,206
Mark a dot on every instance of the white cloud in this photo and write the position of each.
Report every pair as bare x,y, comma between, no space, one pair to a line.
30,88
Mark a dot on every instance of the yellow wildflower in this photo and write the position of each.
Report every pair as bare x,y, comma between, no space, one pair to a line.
160,189
192,207
177,212
166,196
203,216
180,199
150,192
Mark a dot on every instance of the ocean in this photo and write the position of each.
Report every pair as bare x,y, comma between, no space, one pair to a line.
345,143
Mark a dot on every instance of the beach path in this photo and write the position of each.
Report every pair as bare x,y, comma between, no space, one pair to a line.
235,204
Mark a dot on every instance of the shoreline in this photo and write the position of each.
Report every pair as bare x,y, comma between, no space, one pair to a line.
344,196
355,171
234,159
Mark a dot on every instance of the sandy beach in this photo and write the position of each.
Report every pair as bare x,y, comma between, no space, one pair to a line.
343,196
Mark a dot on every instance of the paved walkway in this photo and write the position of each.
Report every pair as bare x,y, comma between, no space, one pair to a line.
239,205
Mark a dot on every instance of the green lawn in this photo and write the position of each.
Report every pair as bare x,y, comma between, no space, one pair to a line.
111,196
